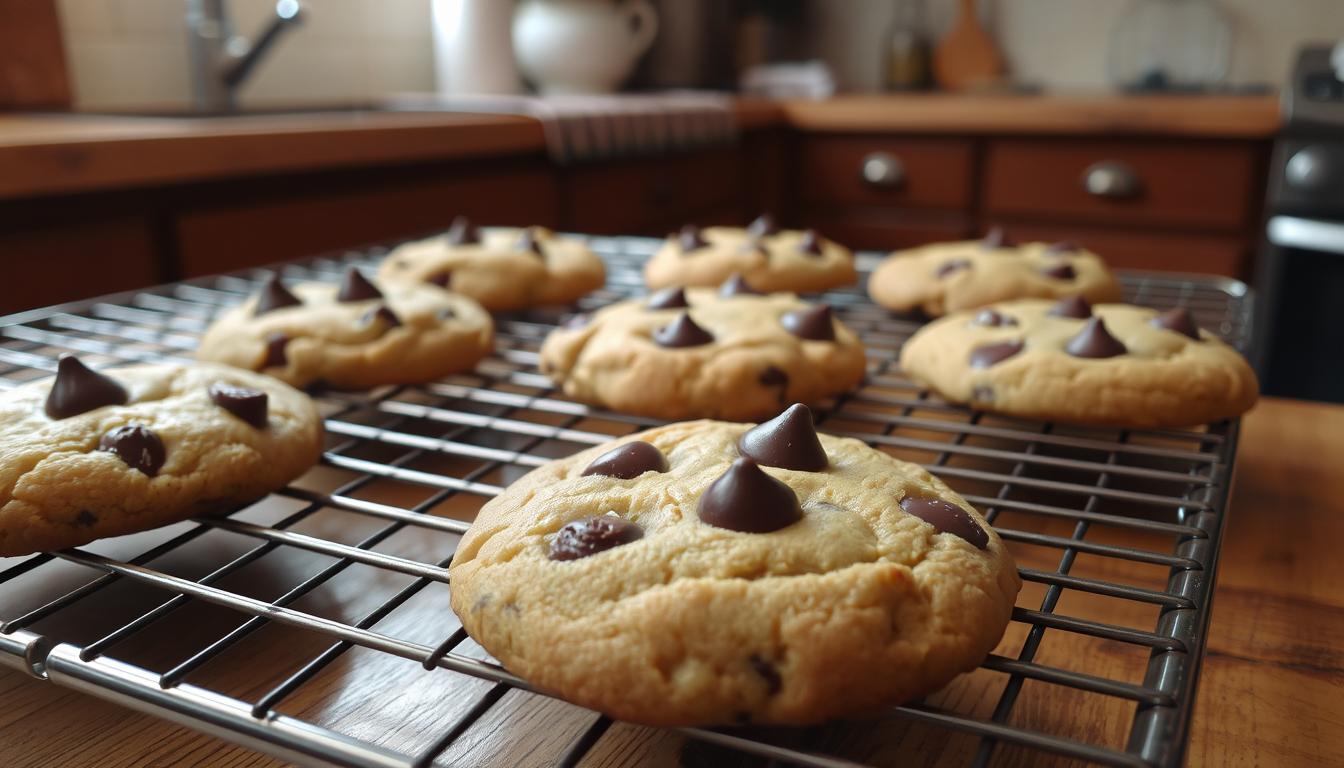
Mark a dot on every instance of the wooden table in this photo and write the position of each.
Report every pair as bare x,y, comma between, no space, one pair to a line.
1272,677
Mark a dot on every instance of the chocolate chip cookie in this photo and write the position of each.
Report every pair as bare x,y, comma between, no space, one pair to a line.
91,454
354,335
502,268
711,573
948,277
769,258
692,352
1114,364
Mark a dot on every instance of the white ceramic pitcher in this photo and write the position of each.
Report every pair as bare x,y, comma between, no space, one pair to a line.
581,46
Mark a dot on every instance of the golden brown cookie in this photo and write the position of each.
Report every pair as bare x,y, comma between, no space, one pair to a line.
352,336
949,277
696,352
770,259
1069,361
92,454
503,268
711,573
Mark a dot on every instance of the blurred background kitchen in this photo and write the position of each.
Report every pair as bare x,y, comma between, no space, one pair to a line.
151,140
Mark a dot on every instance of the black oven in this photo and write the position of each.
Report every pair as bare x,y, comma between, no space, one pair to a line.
1300,280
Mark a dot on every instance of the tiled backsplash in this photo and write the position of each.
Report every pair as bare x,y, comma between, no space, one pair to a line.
132,53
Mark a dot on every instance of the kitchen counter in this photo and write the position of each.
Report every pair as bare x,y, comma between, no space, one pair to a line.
1241,117
1269,691
71,153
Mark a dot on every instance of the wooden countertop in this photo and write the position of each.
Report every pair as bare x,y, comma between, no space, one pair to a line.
1243,117
71,153
1269,691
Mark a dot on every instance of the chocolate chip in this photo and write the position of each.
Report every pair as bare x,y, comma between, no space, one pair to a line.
446,314
1063,246
768,673
682,332
382,314
529,242
992,318
763,225
589,536
86,518
248,404
575,322
628,461
275,351
814,323
811,243
982,394
746,499
1178,320
1095,341
441,279
690,238
463,232
947,518
737,286
1076,307
984,357
137,446
788,441
997,238
1060,272
955,265
274,295
78,388
668,298
356,287
774,377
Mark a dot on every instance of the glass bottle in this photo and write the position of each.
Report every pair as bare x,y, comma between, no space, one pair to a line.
906,48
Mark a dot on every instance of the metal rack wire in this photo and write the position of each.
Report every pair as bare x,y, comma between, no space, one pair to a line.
293,624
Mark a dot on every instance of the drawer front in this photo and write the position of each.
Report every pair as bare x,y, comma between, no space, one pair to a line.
259,230
1195,184
885,230
1226,255
651,196
874,170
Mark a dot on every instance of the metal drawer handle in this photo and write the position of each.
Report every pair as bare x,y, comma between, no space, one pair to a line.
1112,180
882,169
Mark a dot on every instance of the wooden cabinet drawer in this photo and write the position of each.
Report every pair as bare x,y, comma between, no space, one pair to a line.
78,260
654,195
933,173
872,229
1226,255
264,228
1183,183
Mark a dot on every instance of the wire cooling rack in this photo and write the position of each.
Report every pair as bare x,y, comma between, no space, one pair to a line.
314,626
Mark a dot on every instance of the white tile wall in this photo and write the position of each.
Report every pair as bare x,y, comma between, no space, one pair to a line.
133,53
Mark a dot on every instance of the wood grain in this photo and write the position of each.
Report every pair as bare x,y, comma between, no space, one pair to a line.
1194,184
1268,696
33,74
1255,117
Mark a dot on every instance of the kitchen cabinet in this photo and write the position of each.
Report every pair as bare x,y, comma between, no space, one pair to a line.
1143,202
248,224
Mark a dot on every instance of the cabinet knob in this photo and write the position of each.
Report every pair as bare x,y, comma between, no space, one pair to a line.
882,169
1112,180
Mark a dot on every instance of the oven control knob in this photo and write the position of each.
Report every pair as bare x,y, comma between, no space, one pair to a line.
1309,168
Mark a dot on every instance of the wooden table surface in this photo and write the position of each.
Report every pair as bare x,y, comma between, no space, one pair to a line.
1270,692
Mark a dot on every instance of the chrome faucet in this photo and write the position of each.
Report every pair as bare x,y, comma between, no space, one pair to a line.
220,59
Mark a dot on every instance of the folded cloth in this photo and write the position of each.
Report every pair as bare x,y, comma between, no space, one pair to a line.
598,127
